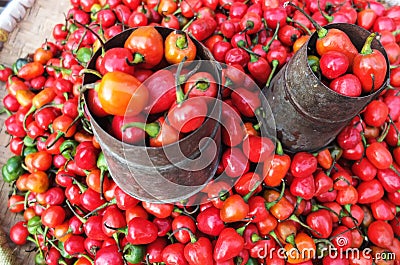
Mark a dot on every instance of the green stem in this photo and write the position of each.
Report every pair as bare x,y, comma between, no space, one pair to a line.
384,133
320,30
91,71
179,93
274,37
326,16
138,58
303,27
189,23
251,192
297,220
181,42
152,129
202,84
5,110
274,236
270,204
104,205
366,49
275,64
290,239
255,238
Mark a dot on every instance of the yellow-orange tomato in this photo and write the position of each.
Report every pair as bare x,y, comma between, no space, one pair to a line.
122,94
38,182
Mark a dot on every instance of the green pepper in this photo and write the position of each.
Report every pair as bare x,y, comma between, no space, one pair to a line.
18,64
6,176
134,254
28,141
34,224
68,149
84,55
313,62
12,169
29,150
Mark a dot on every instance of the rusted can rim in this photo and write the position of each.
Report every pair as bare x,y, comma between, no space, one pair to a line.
369,97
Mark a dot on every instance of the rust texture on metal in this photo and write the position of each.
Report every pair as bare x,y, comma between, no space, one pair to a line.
307,113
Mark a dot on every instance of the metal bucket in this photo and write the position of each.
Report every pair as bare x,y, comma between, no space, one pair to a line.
308,114
147,173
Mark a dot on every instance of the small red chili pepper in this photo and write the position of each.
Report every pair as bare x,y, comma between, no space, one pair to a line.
320,221
381,210
380,233
303,187
379,155
210,222
229,244
323,183
370,191
141,231
250,23
303,164
199,251
202,28
370,66
279,166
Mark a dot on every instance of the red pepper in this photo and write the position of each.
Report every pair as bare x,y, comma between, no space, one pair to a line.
370,66
141,231
199,251
381,210
174,254
86,155
234,209
202,28
370,191
380,234
229,244
303,164
258,149
379,155
257,209
321,222
259,69
277,205
322,183
389,179
275,171
364,169
232,131
286,231
303,187
209,221
247,182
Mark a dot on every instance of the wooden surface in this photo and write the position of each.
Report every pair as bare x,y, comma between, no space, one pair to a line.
29,35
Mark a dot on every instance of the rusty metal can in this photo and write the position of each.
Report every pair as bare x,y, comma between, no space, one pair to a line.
308,114
163,174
